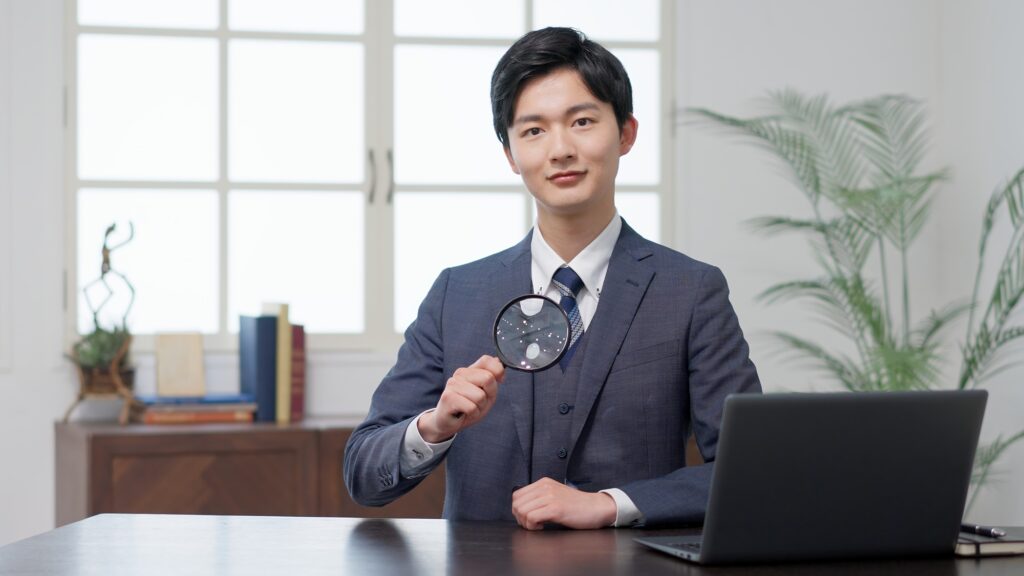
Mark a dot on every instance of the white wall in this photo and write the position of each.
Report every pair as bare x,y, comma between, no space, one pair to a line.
34,383
958,56
981,136
731,53
961,58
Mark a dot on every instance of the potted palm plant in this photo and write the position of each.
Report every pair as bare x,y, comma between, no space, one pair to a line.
859,167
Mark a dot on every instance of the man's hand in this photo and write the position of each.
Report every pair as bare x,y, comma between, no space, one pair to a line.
467,397
549,501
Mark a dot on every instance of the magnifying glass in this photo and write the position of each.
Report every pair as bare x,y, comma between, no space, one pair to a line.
531,333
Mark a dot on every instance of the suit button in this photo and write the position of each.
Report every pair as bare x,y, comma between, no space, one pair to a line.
563,408
562,453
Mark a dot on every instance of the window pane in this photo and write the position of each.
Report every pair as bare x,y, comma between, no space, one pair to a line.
642,164
601,19
443,128
426,243
328,16
642,211
147,108
172,261
460,18
303,248
149,13
296,111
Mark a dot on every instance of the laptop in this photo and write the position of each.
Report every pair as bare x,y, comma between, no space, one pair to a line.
837,475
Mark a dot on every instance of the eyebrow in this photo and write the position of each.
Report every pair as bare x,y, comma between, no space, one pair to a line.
572,110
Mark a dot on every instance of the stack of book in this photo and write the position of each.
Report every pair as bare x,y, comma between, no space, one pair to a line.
196,409
272,364
983,541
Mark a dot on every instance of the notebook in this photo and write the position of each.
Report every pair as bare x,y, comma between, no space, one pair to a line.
976,545
837,475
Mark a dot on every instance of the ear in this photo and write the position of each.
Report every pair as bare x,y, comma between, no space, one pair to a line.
627,136
511,161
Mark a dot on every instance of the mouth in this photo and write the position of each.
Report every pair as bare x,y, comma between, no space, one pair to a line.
566,178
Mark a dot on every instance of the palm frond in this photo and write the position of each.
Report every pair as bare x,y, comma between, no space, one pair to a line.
777,224
896,209
894,137
830,133
978,353
905,368
768,132
986,456
783,291
937,321
843,369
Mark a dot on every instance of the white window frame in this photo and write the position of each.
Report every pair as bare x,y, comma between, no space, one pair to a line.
379,41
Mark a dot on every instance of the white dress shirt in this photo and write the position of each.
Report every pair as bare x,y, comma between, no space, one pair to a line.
591,264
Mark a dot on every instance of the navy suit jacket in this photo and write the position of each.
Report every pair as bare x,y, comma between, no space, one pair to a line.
664,349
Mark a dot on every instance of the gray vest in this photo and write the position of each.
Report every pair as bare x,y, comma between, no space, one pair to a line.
554,399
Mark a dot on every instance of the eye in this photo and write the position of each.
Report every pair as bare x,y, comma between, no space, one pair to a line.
532,131
584,122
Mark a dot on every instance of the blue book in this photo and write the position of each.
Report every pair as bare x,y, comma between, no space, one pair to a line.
257,357
154,400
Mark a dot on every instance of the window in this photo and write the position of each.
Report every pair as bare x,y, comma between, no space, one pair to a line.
332,154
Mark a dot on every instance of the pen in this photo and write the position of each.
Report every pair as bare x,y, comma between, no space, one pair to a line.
983,530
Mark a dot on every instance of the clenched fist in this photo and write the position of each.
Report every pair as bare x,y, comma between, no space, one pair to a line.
467,397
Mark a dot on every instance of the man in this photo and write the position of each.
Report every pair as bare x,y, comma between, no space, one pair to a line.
599,440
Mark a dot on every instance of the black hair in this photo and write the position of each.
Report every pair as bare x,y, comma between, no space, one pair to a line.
541,52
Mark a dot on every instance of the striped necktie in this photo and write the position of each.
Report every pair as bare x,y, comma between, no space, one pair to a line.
569,285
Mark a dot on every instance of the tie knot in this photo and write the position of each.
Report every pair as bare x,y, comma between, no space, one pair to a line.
568,281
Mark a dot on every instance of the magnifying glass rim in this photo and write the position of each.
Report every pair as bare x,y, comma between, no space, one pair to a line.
501,313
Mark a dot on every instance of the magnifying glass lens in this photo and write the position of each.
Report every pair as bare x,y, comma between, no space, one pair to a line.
531,333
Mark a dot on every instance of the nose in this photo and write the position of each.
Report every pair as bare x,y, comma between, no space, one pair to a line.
563,148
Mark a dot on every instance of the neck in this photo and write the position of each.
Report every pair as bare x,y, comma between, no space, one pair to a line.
569,235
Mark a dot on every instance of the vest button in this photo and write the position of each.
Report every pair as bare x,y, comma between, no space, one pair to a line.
563,408
562,453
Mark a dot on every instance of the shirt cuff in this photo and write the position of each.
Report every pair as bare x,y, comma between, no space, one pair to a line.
417,453
626,513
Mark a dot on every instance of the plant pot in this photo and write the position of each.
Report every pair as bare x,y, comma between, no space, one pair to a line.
101,380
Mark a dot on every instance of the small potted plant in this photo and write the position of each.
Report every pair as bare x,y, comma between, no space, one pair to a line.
101,356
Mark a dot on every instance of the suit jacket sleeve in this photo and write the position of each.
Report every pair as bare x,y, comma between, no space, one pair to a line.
718,365
414,384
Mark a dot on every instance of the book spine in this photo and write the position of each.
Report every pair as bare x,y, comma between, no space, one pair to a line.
196,417
298,403
257,354
284,366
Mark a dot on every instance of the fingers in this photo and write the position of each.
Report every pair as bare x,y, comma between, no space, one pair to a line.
548,501
536,504
468,396
492,365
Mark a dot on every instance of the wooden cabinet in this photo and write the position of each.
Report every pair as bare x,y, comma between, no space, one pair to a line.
247,469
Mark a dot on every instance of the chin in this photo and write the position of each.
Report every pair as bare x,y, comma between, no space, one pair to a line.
565,209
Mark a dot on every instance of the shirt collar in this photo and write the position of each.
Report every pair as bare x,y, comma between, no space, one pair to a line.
591,264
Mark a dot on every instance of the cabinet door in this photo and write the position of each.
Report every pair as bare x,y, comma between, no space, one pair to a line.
424,501
270,472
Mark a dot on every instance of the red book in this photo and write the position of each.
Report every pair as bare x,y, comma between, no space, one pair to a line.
298,372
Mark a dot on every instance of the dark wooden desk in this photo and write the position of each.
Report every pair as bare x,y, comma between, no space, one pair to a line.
149,545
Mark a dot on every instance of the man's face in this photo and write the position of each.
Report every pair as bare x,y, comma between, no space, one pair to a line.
566,145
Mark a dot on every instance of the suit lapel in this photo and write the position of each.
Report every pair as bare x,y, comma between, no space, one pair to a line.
513,281
624,288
